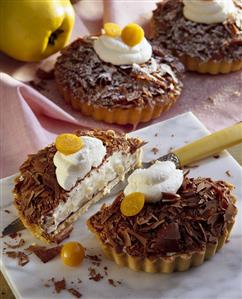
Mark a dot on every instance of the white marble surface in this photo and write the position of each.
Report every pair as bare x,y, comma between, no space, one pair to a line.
219,277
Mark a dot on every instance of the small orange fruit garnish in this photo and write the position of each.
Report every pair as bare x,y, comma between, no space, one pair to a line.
132,204
72,254
132,34
112,29
68,144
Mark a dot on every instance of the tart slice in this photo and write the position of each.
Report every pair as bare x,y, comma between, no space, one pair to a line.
171,230
60,182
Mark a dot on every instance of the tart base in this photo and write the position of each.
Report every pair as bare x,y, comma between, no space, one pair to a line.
210,67
167,264
119,116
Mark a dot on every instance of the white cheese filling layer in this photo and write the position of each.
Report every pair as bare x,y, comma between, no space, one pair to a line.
115,166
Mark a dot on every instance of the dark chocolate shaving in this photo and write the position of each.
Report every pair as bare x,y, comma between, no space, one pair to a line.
43,253
74,292
14,246
23,259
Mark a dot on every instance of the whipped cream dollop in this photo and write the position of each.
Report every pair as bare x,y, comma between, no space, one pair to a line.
74,167
158,178
208,11
115,51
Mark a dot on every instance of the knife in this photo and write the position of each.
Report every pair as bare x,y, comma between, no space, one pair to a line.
202,148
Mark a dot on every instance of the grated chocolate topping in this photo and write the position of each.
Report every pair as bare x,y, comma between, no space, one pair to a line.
220,41
198,214
37,192
80,71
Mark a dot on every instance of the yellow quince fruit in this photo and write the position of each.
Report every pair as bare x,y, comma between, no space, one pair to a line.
31,30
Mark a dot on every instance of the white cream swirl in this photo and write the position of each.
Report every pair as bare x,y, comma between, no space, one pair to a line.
158,178
115,51
208,11
74,167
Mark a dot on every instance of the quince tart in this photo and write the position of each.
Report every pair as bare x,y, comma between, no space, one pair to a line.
165,221
118,77
60,182
205,34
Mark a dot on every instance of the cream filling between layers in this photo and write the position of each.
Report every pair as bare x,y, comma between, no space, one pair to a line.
116,165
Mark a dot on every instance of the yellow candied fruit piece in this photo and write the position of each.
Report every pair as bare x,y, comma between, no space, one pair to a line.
112,29
132,204
132,34
72,254
68,144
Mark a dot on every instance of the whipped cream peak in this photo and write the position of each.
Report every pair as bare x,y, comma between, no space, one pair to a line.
113,49
158,178
208,11
74,167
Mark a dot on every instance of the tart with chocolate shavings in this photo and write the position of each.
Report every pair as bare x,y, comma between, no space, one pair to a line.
206,48
177,232
125,94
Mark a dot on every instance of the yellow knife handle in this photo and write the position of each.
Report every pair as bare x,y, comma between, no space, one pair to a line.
209,145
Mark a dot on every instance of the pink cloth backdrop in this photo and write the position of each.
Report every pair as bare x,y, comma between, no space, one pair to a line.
30,119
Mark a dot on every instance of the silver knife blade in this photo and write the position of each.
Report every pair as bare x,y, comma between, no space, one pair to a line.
13,227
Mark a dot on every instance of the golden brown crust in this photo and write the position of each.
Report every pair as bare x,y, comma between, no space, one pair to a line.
178,262
121,116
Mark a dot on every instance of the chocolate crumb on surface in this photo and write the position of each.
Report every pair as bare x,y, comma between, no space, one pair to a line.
13,235
111,282
14,246
23,259
74,292
59,285
156,134
228,173
216,156
43,253
211,100
93,275
155,150
7,211
94,258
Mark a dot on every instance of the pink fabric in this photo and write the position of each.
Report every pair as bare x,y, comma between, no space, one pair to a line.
30,120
